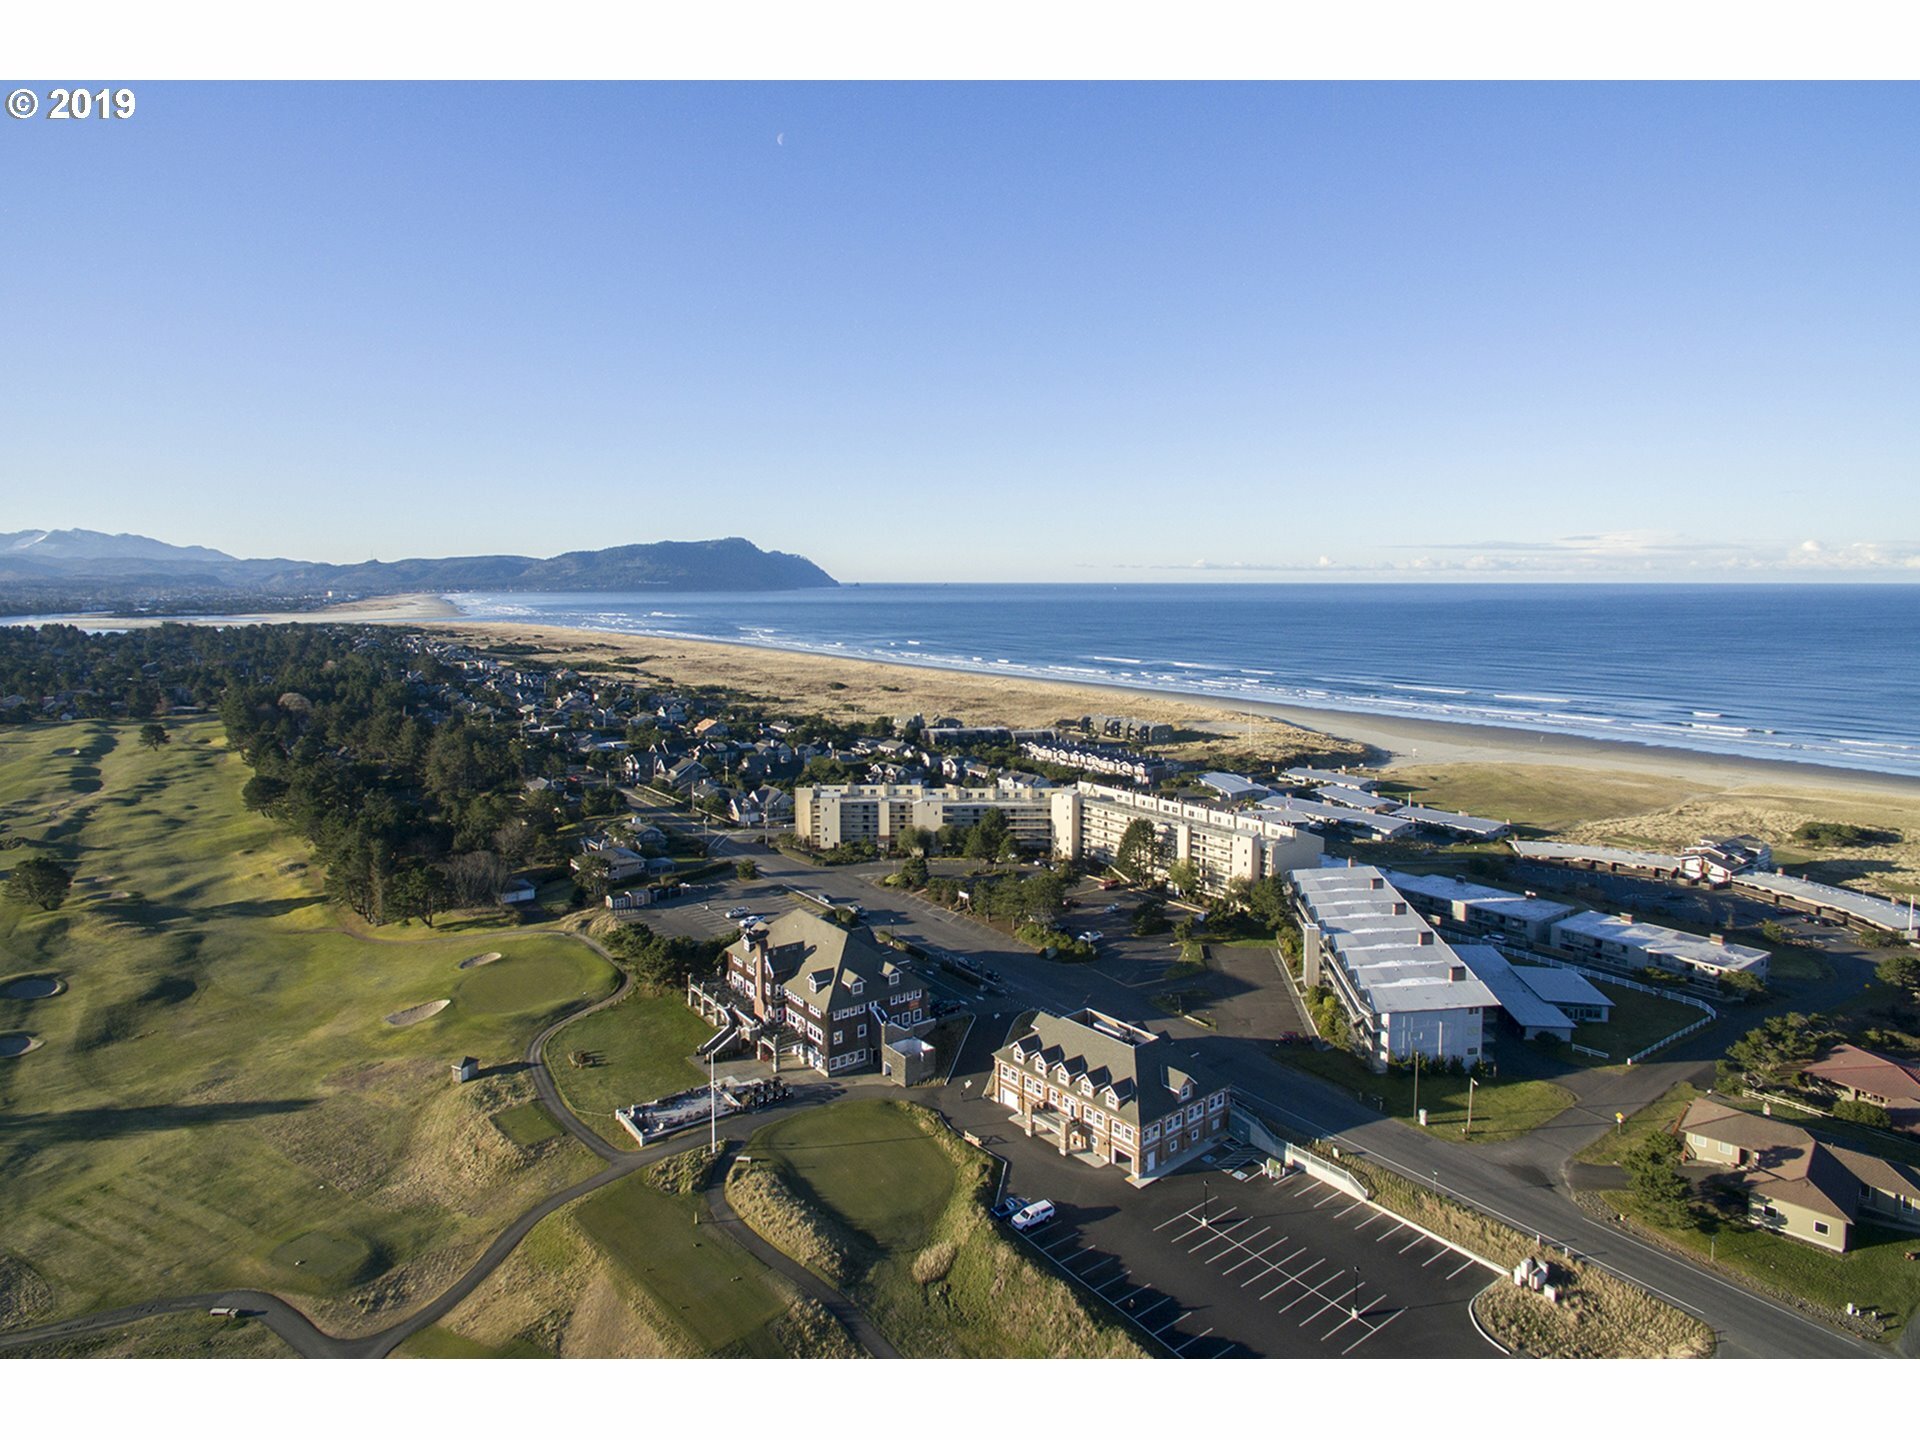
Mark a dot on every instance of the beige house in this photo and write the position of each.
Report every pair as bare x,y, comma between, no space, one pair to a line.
1804,1188
1856,1074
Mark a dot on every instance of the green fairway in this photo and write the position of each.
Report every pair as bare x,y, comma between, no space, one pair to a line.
871,1165
638,1050
701,1279
218,1082
1502,1109
878,1196
330,1257
527,1125
438,1343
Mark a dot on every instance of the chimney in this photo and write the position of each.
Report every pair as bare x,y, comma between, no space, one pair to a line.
1626,917
1376,883
1456,973
1399,907
1426,938
1718,939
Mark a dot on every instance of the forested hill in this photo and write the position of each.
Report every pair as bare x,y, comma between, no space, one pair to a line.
124,570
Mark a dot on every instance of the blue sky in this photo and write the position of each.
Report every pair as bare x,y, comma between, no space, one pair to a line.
996,331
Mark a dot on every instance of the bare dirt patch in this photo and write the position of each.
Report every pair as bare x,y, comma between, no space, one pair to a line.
414,1014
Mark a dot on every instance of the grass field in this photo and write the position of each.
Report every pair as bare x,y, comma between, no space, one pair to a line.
218,1094
641,1049
170,1337
905,1204
1612,1147
1502,1109
1638,1020
527,1125
627,1272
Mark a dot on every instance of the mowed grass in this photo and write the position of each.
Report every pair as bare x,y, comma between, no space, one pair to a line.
698,1277
638,1050
879,1198
218,1079
1502,1109
1638,1020
527,1125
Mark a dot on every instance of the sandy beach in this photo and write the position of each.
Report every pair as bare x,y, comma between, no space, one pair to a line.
1584,789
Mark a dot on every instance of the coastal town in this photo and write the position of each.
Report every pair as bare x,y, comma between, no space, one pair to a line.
1194,1027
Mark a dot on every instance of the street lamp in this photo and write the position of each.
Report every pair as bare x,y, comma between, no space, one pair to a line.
1472,1085
1206,1203
1353,1298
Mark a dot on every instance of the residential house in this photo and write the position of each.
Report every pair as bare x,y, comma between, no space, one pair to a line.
1851,1073
835,991
1807,1189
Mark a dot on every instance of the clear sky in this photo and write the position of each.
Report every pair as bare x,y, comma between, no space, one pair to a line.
986,332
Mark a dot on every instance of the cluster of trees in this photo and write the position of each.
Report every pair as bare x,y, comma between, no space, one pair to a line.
1329,1018
1774,1050
1656,1180
409,812
40,881
663,961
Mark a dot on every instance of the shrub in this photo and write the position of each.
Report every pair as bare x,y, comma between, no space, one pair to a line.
1862,1112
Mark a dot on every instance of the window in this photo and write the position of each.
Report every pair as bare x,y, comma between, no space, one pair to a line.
1820,1227
836,1037
1726,1149
861,1031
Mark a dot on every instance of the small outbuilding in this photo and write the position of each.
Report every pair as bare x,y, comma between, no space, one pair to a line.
465,1069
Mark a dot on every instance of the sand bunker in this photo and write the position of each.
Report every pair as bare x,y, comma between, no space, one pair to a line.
120,895
415,1014
32,987
17,1042
486,959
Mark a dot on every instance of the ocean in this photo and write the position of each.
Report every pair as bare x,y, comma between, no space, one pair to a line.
1815,674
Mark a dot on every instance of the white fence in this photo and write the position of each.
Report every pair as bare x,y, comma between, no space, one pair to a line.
1700,1024
1244,1127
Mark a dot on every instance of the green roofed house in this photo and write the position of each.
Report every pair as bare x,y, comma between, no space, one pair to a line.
1112,1092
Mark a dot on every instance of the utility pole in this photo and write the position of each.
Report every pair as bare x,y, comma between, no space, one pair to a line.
1472,1085
1353,1298
713,1110
1206,1203
1416,1083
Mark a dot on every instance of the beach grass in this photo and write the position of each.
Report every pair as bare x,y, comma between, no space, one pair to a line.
219,1092
879,1198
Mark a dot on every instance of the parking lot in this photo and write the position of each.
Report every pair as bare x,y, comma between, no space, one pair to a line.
1226,1262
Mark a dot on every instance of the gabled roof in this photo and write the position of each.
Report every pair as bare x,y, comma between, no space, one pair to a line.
1793,1166
1146,1071
815,960
1863,1070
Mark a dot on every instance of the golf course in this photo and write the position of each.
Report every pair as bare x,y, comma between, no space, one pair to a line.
217,1095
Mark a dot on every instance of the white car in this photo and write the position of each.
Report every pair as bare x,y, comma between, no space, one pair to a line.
1088,937
1033,1217
739,912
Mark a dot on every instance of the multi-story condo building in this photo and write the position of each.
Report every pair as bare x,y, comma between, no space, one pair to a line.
836,990
1096,1085
1404,989
827,815
1221,844
1624,941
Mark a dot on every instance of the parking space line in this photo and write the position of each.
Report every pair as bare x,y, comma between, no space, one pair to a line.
1101,1259
1141,1318
1171,1323
1436,1255
1465,1264
1344,1213
1252,1255
1201,1336
1184,1214
1325,1306
1411,1243
1331,1196
1377,1214
1392,1316
1106,1285
1388,1234
1353,1314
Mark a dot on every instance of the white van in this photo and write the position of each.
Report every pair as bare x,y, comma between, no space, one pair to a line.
1034,1216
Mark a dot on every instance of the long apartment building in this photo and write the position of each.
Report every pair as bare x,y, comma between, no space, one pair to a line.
1084,821
1404,989
1222,845
829,815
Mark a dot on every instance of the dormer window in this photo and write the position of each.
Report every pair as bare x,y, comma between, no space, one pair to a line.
855,986
893,977
1086,1087
819,981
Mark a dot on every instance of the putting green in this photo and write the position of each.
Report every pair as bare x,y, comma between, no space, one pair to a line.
530,981
325,1257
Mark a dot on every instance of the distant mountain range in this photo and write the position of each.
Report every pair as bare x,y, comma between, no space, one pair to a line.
123,564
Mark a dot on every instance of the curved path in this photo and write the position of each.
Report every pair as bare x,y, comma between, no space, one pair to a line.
309,1340
838,1305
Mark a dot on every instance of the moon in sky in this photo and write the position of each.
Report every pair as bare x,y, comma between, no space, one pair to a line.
781,138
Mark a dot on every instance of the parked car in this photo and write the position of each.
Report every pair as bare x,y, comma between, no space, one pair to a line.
1010,1204
739,912
1033,1216
1088,937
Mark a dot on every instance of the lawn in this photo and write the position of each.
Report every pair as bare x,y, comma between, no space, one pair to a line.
527,1125
697,1275
881,1199
218,1084
1638,1020
1502,1109
639,1050
1612,1147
